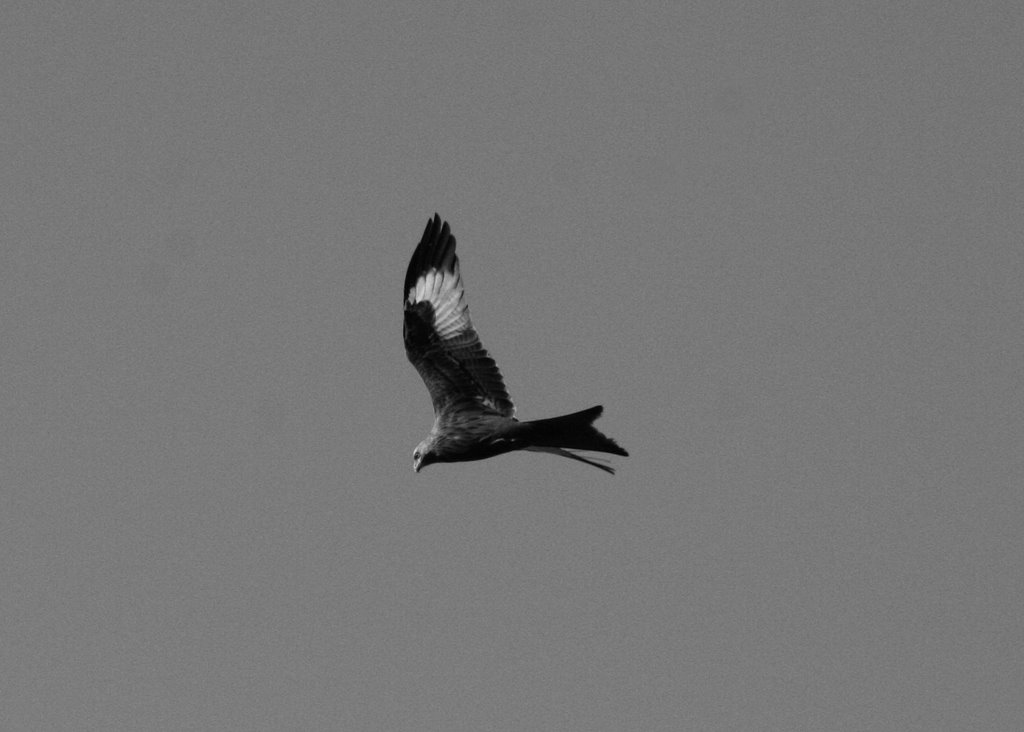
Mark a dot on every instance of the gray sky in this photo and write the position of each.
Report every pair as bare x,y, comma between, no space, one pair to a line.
781,243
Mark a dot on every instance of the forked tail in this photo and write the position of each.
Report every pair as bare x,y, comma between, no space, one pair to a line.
559,435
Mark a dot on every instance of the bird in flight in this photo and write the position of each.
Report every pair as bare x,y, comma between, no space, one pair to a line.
473,415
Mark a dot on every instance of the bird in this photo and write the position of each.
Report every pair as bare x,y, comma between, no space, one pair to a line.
474,418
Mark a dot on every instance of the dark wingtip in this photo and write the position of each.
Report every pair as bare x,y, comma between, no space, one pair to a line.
436,250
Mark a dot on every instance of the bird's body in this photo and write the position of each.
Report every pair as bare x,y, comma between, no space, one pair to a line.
474,418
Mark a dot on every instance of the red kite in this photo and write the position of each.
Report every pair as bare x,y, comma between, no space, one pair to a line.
473,415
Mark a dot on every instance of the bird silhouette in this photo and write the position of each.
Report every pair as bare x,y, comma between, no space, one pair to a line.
474,418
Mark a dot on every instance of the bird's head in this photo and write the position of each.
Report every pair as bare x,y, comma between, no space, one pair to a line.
423,455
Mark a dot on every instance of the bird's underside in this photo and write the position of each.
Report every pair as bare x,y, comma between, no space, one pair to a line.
474,416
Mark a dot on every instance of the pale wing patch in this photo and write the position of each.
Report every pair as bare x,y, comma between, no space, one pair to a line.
425,287
443,290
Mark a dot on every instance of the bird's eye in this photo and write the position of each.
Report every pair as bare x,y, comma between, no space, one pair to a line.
416,455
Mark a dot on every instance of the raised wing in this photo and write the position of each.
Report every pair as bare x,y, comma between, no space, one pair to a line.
439,339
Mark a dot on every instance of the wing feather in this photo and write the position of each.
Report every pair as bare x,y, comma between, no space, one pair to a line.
439,338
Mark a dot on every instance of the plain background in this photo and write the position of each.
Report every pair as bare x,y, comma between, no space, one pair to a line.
780,242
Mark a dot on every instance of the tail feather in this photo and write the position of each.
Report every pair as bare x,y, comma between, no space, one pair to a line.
567,453
575,431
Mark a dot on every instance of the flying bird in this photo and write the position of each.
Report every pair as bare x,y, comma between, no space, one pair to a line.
473,415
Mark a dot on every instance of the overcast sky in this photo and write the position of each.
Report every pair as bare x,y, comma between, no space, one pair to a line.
781,243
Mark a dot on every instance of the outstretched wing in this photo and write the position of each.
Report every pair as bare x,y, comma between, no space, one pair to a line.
439,339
